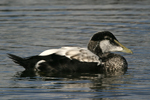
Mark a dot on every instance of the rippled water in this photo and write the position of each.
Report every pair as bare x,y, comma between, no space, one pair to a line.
28,27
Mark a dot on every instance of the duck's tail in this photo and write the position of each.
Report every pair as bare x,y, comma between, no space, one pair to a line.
18,60
28,62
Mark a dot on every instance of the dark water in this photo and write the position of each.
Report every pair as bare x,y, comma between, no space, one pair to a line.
28,27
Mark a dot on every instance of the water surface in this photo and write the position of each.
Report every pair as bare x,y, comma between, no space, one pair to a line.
28,27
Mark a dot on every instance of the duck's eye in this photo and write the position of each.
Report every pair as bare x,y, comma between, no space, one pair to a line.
107,38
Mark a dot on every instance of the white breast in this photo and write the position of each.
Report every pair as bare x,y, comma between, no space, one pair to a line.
81,54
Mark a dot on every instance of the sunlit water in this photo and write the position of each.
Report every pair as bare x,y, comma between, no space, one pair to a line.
28,27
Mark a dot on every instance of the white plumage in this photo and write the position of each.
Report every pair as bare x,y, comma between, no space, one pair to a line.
81,54
38,65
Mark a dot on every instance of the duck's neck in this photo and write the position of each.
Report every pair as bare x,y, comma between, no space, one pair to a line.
93,46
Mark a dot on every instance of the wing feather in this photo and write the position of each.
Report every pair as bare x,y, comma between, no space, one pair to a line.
81,54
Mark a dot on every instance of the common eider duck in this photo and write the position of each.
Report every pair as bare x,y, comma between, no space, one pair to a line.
96,57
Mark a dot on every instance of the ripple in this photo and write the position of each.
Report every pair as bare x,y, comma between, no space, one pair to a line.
29,26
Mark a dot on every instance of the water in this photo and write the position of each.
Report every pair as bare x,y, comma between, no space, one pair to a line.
28,27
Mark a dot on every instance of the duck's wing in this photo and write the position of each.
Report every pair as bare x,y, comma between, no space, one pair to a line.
80,54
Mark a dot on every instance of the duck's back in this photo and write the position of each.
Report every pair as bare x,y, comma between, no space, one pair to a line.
77,53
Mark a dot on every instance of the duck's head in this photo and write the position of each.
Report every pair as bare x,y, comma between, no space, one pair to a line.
105,41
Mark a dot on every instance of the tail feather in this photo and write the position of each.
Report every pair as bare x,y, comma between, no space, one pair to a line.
28,63
17,59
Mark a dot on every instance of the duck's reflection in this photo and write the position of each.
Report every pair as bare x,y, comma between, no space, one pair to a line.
73,82
73,75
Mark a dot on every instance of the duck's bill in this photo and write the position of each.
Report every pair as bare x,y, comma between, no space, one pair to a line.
126,50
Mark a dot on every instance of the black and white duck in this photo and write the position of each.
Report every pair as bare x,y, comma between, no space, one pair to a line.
96,57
